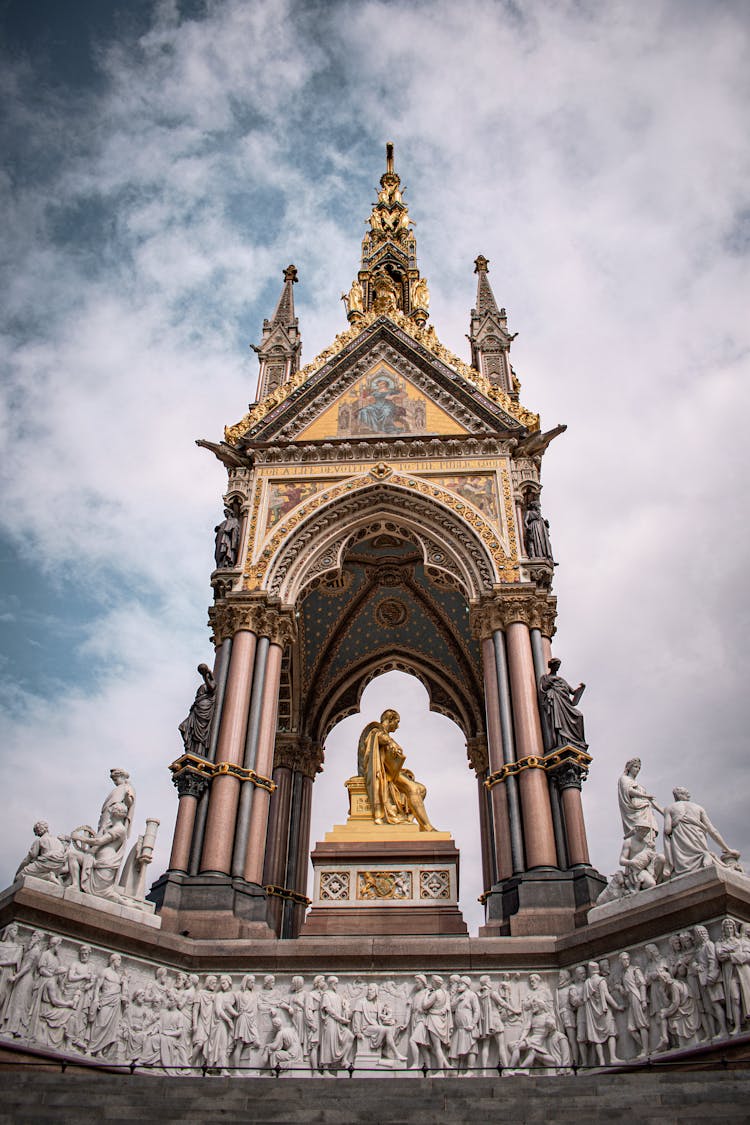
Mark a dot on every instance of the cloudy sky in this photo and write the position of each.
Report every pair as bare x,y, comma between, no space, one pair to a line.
166,161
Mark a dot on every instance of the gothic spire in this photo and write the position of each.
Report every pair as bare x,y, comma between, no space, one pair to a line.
281,343
488,332
388,279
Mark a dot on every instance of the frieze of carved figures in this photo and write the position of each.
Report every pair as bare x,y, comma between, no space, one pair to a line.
686,833
689,987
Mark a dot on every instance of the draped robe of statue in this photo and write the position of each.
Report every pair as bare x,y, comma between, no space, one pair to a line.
395,795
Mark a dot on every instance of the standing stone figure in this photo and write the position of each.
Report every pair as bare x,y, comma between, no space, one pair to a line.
227,540
396,797
559,704
245,1032
122,794
437,1024
566,1013
336,1038
686,832
598,1004
494,1009
107,1008
632,988
466,1016
727,949
709,977
419,1042
11,952
196,728
18,1010
536,532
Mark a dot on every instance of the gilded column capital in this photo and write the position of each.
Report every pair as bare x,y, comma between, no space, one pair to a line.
512,605
262,615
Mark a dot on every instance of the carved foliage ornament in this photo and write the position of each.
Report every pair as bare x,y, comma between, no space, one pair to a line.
259,617
535,608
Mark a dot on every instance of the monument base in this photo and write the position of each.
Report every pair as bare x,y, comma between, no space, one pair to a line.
542,901
396,881
201,906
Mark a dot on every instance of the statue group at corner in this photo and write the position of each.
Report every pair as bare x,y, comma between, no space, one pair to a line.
687,832
90,861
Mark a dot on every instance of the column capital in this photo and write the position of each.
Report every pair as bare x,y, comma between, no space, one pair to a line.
265,616
191,775
476,752
299,755
511,605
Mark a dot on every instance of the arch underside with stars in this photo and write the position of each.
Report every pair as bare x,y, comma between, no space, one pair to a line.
382,580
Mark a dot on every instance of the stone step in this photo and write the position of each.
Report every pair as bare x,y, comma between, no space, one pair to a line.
662,1098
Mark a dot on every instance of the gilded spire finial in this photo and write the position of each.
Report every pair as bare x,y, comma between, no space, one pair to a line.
389,156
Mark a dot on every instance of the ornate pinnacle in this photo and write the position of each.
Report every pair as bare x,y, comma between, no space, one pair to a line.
481,264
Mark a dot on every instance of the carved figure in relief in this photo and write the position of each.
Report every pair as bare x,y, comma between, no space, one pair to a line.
227,540
576,996
419,1040
141,1029
466,1017
686,832
222,1022
203,1019
709,977
727,950
312,1022
11,952
196,728
741,958
106,1009
284,1050
395,795
599,1004
78,982
540,1042
680,1014
269,999
494,1009
47,858
632,989
373,1020
566,1014
173,1036
336,1038
23,986
294,1006
559,703
657,999
536,532
245,1032
437,1022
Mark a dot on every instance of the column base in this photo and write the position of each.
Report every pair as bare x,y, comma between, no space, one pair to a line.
542,901
211,906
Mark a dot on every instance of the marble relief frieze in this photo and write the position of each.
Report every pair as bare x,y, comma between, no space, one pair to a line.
84,1000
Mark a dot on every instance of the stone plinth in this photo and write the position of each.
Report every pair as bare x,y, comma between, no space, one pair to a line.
385,879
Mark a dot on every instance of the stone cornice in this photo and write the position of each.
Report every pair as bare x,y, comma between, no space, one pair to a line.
259,614
512,605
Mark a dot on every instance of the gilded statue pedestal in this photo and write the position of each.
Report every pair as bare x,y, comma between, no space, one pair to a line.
374,879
